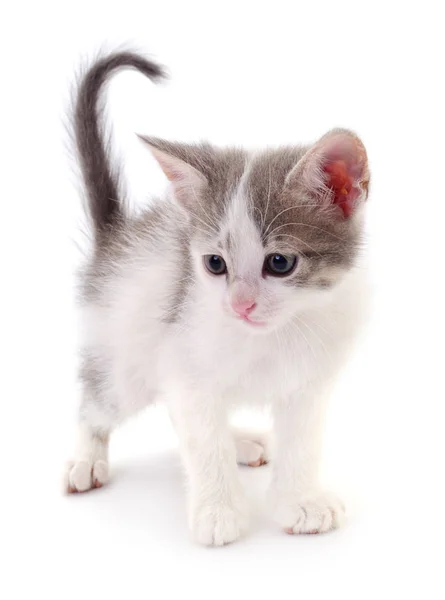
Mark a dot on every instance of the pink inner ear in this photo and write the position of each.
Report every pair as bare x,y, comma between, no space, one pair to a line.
340,181
187,182
344,168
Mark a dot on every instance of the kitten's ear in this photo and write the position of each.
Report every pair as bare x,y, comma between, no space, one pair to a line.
187,182
334,171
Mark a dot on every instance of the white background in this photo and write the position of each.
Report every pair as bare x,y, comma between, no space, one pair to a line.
254,73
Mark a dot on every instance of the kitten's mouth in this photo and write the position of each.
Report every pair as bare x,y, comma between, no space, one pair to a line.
252,322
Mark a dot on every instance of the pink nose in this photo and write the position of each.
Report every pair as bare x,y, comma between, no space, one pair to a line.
243,307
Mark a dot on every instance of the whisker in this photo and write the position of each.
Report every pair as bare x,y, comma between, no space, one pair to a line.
304,337
313,332
204,231
261,214
320,327
311,226
207,225
303,356
302,241
212,222
285,210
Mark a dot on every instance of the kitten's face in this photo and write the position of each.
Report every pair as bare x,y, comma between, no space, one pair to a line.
262,270
272,233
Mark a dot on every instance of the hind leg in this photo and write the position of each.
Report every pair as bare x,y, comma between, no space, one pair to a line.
252,447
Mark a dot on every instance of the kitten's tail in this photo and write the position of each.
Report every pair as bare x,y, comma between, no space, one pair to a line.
101,181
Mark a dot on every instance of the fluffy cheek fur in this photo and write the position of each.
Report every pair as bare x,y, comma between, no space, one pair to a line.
285,302
281,301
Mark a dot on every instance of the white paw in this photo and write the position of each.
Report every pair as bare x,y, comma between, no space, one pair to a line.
218,523
81,476
309,513
251,453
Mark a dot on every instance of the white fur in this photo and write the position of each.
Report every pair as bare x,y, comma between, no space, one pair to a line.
208,364
252,447
90,465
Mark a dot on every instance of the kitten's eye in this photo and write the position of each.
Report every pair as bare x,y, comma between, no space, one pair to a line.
215,264
279,265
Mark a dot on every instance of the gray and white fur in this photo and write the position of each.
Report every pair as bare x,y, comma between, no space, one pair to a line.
240,287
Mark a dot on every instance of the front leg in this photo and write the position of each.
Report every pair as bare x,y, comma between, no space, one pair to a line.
217,510
300,506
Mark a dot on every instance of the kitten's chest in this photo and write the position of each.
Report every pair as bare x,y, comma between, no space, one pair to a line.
269,371
239,366
254,368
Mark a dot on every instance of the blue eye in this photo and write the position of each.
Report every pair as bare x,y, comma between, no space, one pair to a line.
279,264
215,264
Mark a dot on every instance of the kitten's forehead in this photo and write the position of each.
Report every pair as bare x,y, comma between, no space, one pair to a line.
253,211
263,215
240,234
267,172
225,172
257,189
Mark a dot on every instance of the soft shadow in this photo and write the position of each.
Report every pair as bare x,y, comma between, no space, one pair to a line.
148,495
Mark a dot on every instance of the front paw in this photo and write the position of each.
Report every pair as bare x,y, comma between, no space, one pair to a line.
314,512
218,522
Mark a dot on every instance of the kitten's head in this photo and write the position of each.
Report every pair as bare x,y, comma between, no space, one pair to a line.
273,232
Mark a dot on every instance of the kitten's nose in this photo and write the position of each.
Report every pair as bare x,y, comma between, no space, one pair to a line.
243,307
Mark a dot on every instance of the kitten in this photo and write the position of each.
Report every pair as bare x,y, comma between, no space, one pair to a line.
240,286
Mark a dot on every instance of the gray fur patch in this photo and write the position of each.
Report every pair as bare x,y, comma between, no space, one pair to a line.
291,222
